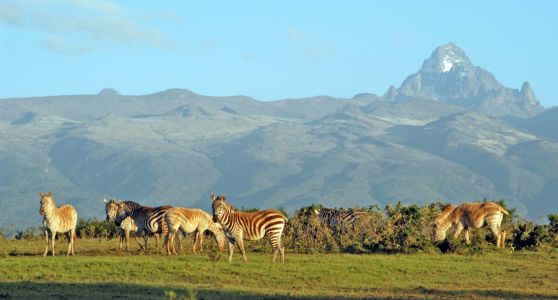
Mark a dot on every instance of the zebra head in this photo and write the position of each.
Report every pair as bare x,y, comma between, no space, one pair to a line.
437,233
111,209
47,202
220,207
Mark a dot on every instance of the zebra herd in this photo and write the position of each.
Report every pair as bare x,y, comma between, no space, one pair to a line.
228,224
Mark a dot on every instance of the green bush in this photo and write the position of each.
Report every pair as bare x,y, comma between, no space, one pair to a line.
95,228
31,233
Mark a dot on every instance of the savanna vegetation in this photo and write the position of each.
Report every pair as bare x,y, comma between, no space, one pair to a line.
385,253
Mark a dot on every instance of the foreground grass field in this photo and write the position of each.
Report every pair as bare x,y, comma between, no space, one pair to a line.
98,271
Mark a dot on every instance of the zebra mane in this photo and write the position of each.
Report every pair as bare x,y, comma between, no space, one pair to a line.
131,205
444,216
224,201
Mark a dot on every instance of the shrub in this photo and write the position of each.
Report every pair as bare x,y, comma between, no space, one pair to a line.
95,228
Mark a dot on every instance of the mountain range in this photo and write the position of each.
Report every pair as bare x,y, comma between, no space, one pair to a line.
450,132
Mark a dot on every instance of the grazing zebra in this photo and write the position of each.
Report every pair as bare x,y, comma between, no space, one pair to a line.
240,226
149,220
188,220
127,224
61,219
335,217
471,216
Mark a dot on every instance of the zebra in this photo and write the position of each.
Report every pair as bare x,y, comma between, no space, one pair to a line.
335,217
240,226
149,220
469,216
188,220
127,224
61,219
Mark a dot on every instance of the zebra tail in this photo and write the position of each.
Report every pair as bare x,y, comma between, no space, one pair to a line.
504,211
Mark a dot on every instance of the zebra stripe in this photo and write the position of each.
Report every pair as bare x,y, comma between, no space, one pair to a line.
188,220
240,226
126,227
469,216
62,219
335,217
149,220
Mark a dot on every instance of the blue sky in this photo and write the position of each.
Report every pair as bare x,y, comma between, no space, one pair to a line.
268,50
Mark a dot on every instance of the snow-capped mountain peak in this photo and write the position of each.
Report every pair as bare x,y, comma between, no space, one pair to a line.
444,58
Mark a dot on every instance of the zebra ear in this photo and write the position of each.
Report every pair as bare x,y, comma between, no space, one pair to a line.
41,194
49,194
212,197
105,200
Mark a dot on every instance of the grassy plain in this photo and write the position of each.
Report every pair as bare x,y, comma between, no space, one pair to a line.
100,271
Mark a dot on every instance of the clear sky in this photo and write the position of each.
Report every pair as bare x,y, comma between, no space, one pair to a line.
268,50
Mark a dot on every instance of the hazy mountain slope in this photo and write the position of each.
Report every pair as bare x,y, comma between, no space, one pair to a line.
544,124
438,139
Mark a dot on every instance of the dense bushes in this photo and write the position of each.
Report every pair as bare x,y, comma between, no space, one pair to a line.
95,228
396,228
407,229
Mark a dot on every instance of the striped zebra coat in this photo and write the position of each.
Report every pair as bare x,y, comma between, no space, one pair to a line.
335,217
127,224
149,220
188,220
240,226
469,216
61,219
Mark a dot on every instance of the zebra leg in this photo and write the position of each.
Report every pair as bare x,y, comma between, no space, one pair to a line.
69,236
127,238
503,239
72,238
275,245
171,242
157,236
166,243
466,234
179,241
231,249
122,234
496,231
53,237
196,240
145,237
137,237
201,241
46,249
240,243
458,230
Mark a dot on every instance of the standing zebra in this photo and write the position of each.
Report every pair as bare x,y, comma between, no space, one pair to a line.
61,219
127,224
240,226
471,216
149,220
188,220
335,217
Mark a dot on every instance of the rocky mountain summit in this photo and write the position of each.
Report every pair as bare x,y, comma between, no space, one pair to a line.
448,75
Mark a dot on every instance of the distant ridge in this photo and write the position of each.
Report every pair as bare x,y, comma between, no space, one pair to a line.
450,132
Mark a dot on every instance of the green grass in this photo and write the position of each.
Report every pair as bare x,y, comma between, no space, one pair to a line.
98,271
